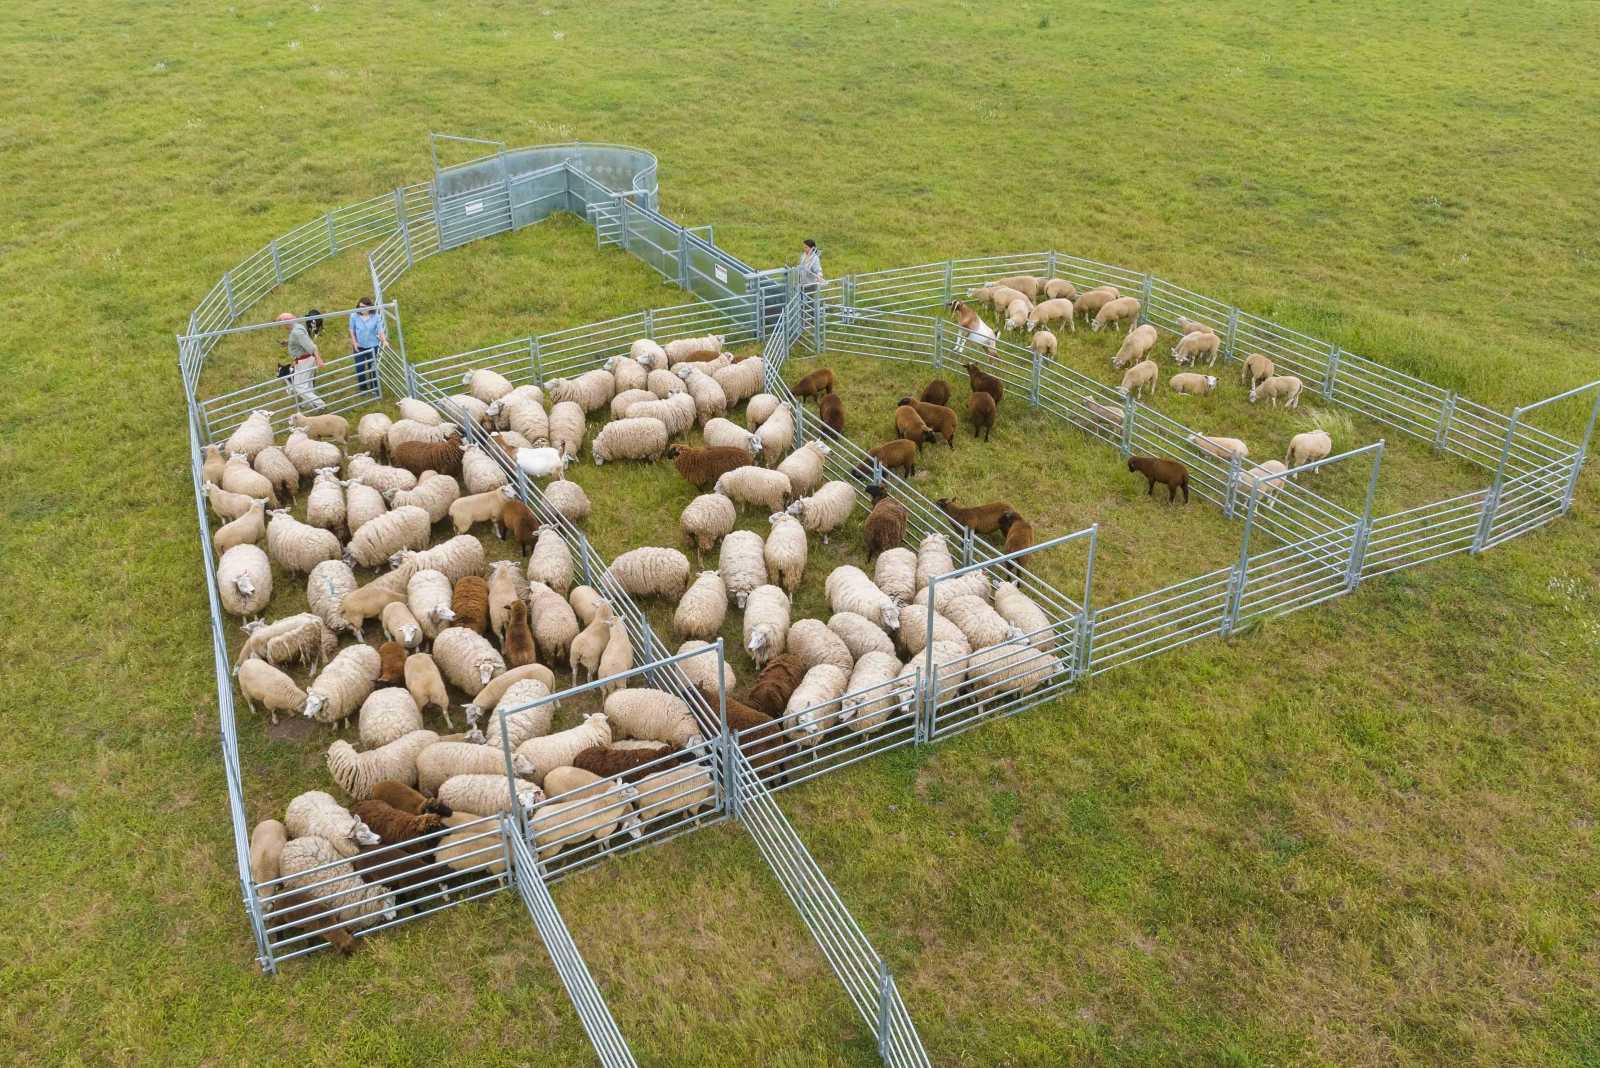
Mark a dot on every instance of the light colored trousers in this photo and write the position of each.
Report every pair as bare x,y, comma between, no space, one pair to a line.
300,383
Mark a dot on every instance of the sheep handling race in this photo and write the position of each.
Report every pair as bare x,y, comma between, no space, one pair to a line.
655,621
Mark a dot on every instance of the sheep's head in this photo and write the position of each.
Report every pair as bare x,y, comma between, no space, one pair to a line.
362,833
529,795
315,703
493,410
753,443
252,626
891,614
1211,381
485,668
630,825
522,764
473,713
410,635
245,585
797,508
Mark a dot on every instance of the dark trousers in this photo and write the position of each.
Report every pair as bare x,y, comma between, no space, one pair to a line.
367,370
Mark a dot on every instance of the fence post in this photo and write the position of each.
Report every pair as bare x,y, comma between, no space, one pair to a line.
938,343
533,358
799,425
411,381
1127,425
1083,643
966,548
1232,491
333,237
400,222
1230,334
1447,413
729,744
650,322
1033,382
877,470
758,301
511,777
1332,373
622,214
1241,572
1358,547
1492,501
1050,265
1578,457
583,555
277,263
883,1009
949,281
1144,299
399,334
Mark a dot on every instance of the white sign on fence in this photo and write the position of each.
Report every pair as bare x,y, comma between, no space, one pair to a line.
721,272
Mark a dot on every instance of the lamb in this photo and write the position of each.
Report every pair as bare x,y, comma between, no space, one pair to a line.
248,529
1194,345
418,411
315,812
517,643
542,755
1257,478
630,439
267,840
307,455
426,685
627,372
488,386
586,650
742,380
785,552
554,622
229,505
1088,304
825,510
372,433
461,555
702,608
652,571
815,384
567,498
770,692
896,573
324,884
1144,376
776,435
1043,342
814,705
766,623
301,638
649,354
814,643
742,564
467,512
687,349
260,682
523,713
244,580
860,635
1308,447
982,381
609,762
297,546
466,658
1279,387
830,409
1060,289
560,824
551,562
876,699
362,504
759,409
469,601
479,472
273,464
1055,310
663,383
1192,383
586,602
395,825
1221,448
677,412
326,588
339,688
322,427
850,590
701,671
251,436
407,431
387,714
617,659
1256,369
908,424
706,520
674,791
699,466
709,399
755,486
443,457
441,761
399,796
1019,610
655,715
386,480
399,625
428,594
488,794
627,398
1136,346
978,622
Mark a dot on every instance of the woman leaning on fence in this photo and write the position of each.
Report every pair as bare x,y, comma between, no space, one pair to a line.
367,333
303,357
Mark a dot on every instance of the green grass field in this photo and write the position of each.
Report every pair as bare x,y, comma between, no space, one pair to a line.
1364,834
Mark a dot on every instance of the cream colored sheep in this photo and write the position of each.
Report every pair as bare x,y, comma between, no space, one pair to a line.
1279,387
686,348
1222,448
386,714
814,705
814,643
261,683
1142,377
567,498
682,790
653,714
826,510
1055,310
586,602
467,512
386,480
1019,610
393,761
1308,447
742,380
507,585
523,719
308,455
1010,667
586,650
850,590
560,824
804,466
860,635
339,688
459,557
325,504
933,558
426,685
400,625
490,695
267,840
677,413
407,431
479,472
229,505
251,436
663,383
362,504
721,433
702,608
551,561
627,372
978,622
742,564
471,409
273,464
776,434
297,546
1192,383
1118,311
701,671
372,433
617,658
709,400
755,487
705,520
301,638
316,812
248,529
488,386
406,527
1136,346
567,428
766,623
326,588
557,750
487,794
895,573
1256,368
651,571
418,411
649,354
555,624
1256,478
443,760
308,863
785,552
914,631
630,439
1194,345
466,658
760,409
876,699
522,414
592,390
244,581
1043,342
434,495
627,398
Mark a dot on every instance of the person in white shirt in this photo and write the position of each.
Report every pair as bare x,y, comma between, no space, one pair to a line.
304,359
810,265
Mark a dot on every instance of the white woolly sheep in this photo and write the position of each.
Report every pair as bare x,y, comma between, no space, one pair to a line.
1010,667
325,505
444,760
373,433
244,580
1018,312
706,519
598,815
551,561
702,608
1279,387
297,546
507,585
471,408
950,660
522,414
776,434
381,477
933,558
386,714
626,398
804,466
654,714
459,557
677,413
627,372
308,454
487,794
742,564
1308,447
722,433
567,498
914,631
301,638
652,571
400,625
685,789
1256,478
648,354
860,635
686,348
592,390
978,621
433,495
567,427
1054,310
558,750
251,436
742,380
1118,311
709,400
586,602
274,465
239,477
267,840
1191,383
326,588
825,510
261,683
316,812
586,650
1142,377
1043,342
519,395
521,722
895,573
1136,346
418,411
408,431
426,685
760,409
617,657
394,761
1256,368
554,623
362,504
333,884
479,472
814,705
488,386
663,383
339,688
630,439
466,658
701,671
766,623
326,427
406,527
489,696
814,643
246,530
1019,610
1222,448
1060,288
873,672
850,590
785,552
1192,346
229,505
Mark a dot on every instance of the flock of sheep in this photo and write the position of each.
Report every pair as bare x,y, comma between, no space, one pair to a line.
449,622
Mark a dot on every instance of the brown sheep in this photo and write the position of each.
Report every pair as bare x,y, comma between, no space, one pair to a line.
407,799
886,523
763,748
897,454
518,648
441,456
935,392
814,384
981,407
908,424
297,910
982,518
605,762
392,664
769,694
402,867
832,411
700,466
470,602
393,824
1019,536
940,419
518,521
983,382
1169,473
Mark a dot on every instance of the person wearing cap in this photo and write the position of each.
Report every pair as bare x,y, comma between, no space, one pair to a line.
304,359
366,334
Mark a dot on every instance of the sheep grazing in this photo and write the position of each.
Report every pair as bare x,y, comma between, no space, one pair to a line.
814,705
630,439
983,410
1136,346
399,625
804,466
251,436
774,684
626,398
1194,345
877,700
721,433
426,686
908,424
1018,312
1259,478
815,384
699,466
1001,298
1308,447
1060,289
391,663
1043,343
766,623
443,457
785,552
567,498
886,522
386,714
1088,304
297,546
1028,285
469,603
982,518
341,686
972,328
466,659
261,683
705,520
461,555
814,643
585,651
516,642
1279,387
980,381
702,608
561,824
756,487
362,504
248,529
897,455
850,590
776,436
551,562
1256,369
1191,383
554,622
825,510
479,472
1169,473
742,564
239,477
244,581
831,410
1055,310
1222,448
691,349
1019,533
682,790
301,638
651,571
1142,377
372,433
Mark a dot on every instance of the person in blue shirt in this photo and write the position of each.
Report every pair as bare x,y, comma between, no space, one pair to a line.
366,334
